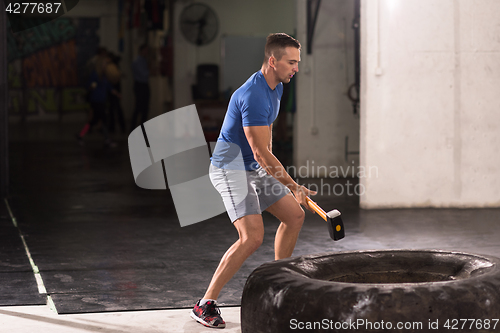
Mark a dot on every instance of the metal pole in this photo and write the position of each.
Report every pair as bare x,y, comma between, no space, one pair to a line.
311,23
357,43
4,117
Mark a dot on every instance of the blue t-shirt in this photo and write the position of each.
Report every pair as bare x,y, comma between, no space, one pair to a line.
140,70
99,94
252,104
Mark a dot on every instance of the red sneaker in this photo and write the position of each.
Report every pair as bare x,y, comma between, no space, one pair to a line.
208,315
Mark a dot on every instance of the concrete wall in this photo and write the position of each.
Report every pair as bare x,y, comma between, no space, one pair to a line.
236,18
429,108
324,113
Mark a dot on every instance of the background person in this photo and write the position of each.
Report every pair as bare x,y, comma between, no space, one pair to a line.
142,91
113,75
99,88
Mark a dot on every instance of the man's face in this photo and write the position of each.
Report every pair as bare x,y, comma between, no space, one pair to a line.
288,65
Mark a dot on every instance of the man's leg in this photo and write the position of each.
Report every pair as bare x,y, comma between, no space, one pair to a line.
291,215
251,232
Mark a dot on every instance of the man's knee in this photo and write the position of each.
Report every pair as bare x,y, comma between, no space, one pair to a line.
253,242
297,219
301,215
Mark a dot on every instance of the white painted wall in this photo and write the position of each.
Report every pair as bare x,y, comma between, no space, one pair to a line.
430,123
324,113
236,18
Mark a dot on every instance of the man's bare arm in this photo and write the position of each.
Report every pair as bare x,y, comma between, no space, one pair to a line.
259,139
271,137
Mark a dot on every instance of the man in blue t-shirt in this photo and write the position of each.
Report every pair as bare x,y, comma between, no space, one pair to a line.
249,177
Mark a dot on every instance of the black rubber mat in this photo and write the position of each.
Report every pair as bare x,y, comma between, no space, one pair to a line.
103,244
17,281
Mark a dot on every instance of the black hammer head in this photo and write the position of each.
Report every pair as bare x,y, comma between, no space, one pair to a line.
335,225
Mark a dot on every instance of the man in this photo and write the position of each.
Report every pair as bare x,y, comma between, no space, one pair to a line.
99,88
265,184
140,71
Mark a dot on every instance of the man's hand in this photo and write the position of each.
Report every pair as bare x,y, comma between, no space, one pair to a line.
300,195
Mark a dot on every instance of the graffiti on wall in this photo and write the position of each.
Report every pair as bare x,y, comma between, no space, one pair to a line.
46,66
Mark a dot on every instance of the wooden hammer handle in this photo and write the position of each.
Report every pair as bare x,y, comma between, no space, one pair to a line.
317,208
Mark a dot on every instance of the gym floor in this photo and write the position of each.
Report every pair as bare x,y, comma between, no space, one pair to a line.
113,258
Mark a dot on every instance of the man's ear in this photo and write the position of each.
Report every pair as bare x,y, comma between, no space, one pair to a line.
272,62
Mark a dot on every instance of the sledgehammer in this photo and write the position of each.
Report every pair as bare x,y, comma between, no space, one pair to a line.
332,218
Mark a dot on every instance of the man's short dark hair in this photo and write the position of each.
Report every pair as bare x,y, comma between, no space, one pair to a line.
276,44
142,47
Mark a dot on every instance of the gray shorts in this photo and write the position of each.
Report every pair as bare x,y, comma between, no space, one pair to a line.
246,192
